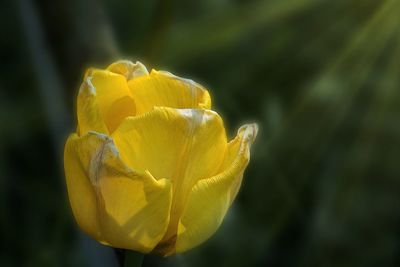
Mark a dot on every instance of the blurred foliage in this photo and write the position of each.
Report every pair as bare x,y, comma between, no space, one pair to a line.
320,77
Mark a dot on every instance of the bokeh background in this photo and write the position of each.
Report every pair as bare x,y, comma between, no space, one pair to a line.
320,77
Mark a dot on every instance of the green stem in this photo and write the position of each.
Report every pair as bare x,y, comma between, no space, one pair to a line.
133,259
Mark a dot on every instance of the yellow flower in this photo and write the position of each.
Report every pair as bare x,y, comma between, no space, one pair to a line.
149,168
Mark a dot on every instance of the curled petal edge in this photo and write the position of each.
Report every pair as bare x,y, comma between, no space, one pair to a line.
94,174
210,198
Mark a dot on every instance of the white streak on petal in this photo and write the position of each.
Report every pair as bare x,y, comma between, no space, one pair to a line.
192,84
87,87
128,69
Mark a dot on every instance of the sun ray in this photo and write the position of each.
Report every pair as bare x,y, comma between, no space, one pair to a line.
373,37
340,96
227,28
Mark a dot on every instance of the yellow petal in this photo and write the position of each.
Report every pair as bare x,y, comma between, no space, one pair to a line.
128,69
113,97
210,198
162,140
166,90
132,207
82,197
89,116
104,99
183,146
136,208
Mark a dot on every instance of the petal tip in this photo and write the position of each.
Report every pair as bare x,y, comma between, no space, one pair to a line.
128,69
190,82
87,86
249,131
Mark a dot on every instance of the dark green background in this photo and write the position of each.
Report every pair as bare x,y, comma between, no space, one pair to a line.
320,77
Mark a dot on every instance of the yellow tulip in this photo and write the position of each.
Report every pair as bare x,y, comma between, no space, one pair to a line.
149,168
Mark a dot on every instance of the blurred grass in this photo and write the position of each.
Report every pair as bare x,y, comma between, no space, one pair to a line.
320,77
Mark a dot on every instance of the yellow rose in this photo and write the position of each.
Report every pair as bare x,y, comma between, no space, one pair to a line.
149,168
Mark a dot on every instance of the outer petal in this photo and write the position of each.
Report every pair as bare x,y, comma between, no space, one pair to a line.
210,198
77,157
173,142
164,89
127,209
89,115
181,145
113,97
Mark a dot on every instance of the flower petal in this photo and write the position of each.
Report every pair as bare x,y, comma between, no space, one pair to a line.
112,95
88,111
130,209
136,208
128,69
82,197
170,141
166,90
183,146
210,198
